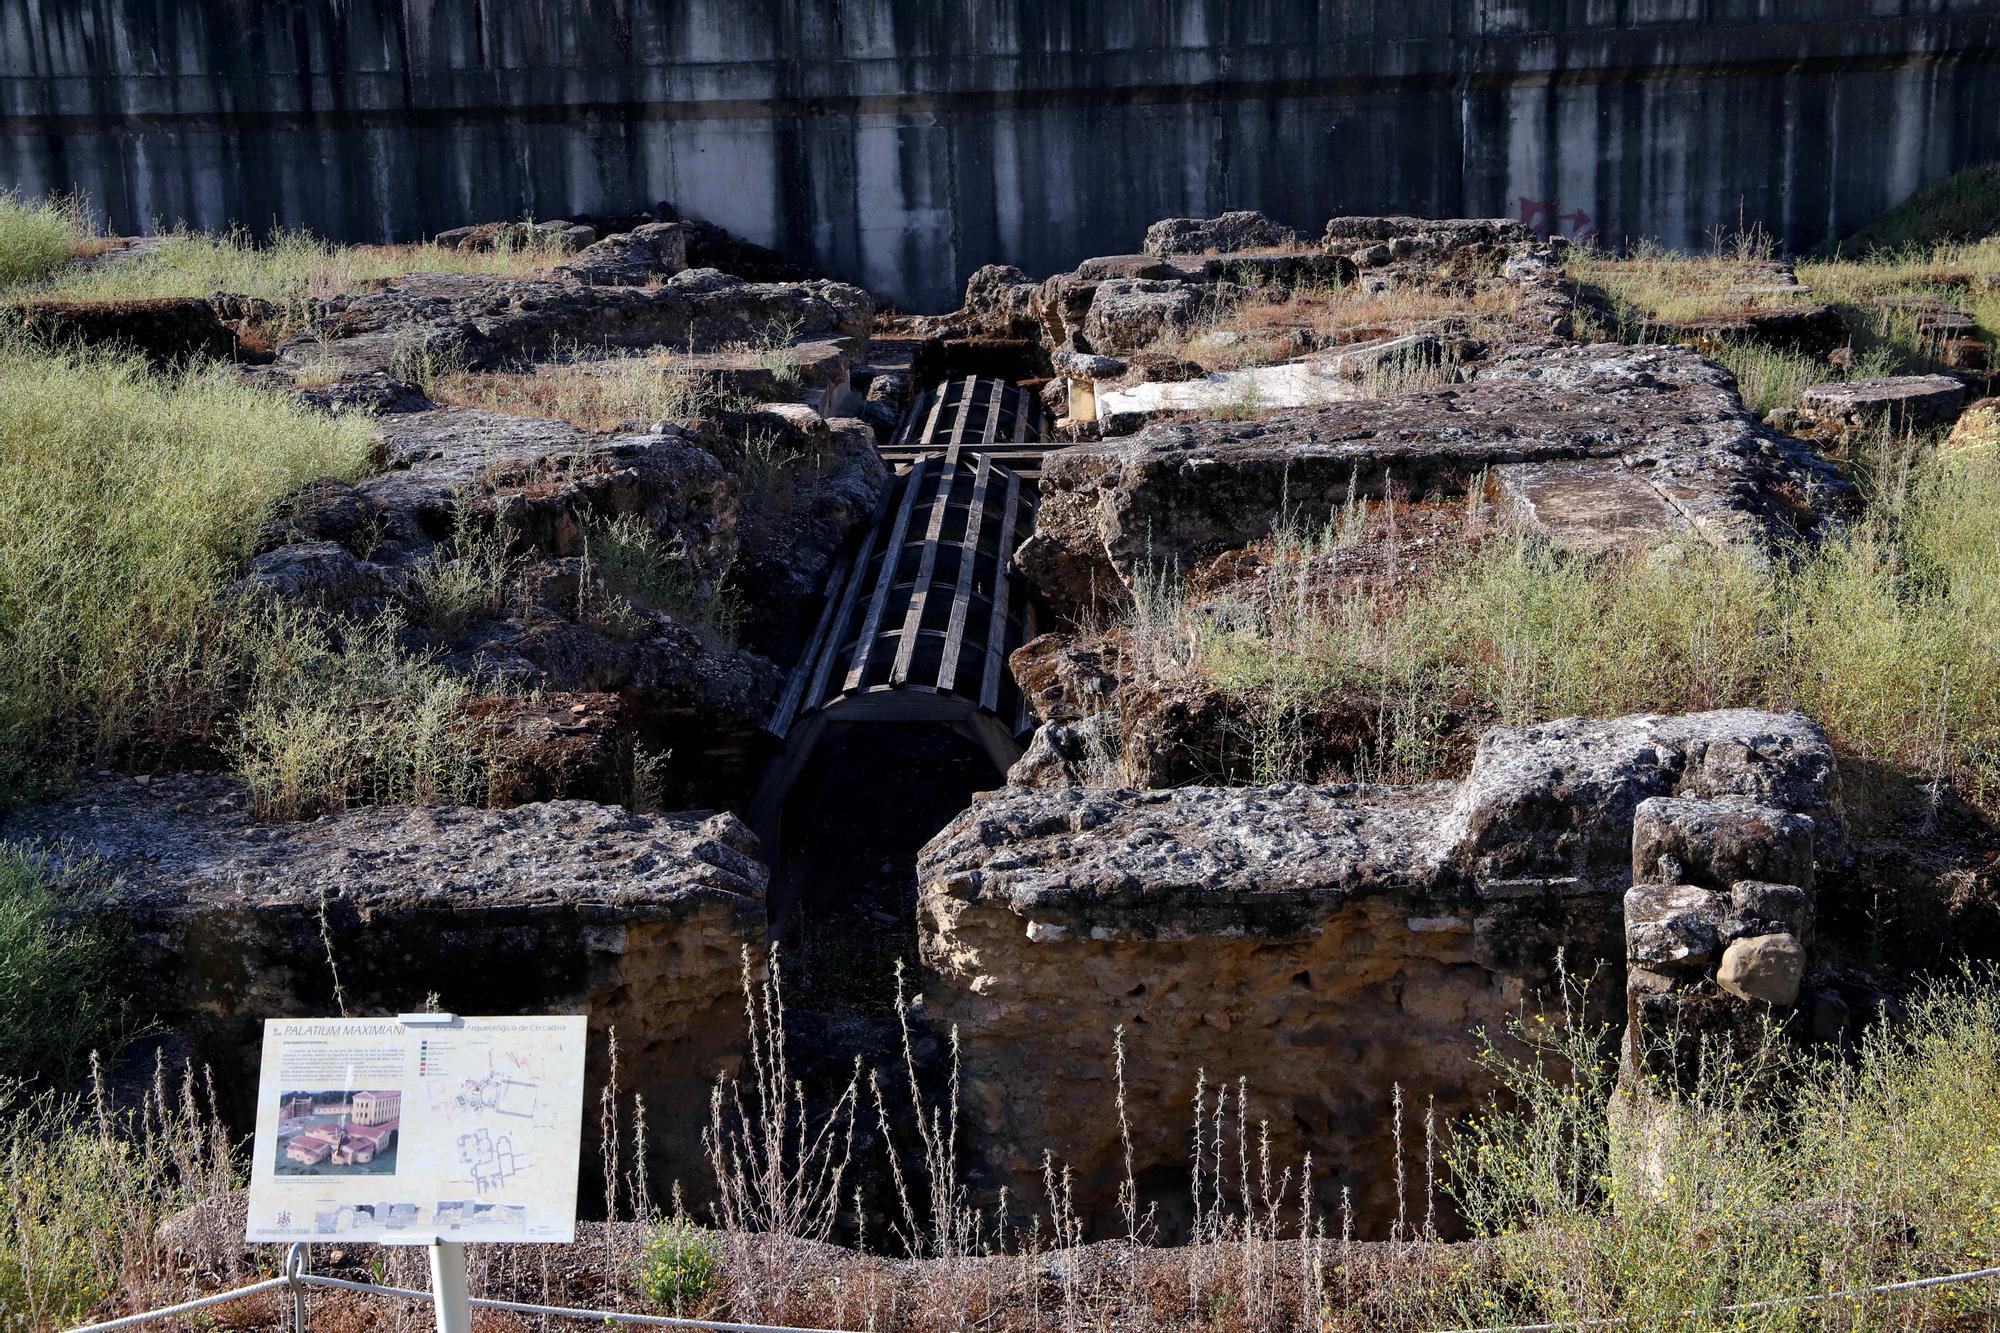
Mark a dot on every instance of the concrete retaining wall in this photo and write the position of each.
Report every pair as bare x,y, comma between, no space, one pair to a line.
902,143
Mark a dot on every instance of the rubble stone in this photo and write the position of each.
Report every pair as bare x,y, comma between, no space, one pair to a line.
1902,402
1662,419
1230,232
1330,942
1671,926
637,921
631,259
1719,843
477,322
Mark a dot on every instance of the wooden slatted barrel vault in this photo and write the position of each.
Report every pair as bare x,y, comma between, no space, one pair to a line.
920,617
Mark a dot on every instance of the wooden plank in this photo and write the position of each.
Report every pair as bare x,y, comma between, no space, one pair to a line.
795,688
816,694
906,429
987,436
966,394
996,635
961,597
892,556
906,642
930,422
1000,452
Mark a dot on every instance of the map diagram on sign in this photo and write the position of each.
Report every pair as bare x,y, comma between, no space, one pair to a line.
422,1126
491,1099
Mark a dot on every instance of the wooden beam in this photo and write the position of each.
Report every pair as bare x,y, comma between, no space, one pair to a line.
967,392
815,694
961,598
795,686
992,431
996,635
892,556
906,429
906,642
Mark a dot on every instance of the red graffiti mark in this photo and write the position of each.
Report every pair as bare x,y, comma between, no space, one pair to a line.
1542,217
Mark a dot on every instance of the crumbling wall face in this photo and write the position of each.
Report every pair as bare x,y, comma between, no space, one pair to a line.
1330,944
672,994
667,982
639,922
1324,1025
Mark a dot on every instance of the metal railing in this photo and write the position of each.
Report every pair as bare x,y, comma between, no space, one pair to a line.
298,1279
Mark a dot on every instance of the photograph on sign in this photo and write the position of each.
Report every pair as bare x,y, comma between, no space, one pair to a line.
348,1132
460,1128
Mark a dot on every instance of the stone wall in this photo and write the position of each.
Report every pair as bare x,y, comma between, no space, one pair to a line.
904,143
1329,943
568,907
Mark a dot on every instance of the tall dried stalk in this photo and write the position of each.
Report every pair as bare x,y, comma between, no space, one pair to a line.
775,1170
950,1227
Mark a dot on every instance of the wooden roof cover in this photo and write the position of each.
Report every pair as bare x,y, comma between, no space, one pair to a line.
920,619
988,416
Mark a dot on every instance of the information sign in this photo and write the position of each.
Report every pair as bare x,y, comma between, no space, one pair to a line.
420,1129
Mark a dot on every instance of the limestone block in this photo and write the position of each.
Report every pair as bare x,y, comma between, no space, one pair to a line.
1765,968
1784,907
1903,402
1718,843
1671,926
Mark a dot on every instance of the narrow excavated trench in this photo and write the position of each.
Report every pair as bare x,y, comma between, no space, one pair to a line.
900,709
902,705
845,892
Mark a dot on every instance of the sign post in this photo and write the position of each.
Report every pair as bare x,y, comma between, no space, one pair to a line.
449,1289
426,1129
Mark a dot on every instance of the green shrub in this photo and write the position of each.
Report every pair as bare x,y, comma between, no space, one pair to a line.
1872,296
60,991
1772,377
36,236
127,500
1783,1171
340,715
657,572
678,1267
84,1189
457,585
772,469
1888,634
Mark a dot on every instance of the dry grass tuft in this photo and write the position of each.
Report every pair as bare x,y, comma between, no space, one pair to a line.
37,237
126,501
1888,634
288,266
606,395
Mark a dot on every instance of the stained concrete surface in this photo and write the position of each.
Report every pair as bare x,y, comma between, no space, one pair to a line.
902,143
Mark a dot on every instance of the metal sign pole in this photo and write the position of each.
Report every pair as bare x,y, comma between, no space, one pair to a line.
450,1292
298,1261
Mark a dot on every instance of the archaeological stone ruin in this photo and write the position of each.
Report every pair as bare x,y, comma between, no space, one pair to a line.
879,647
